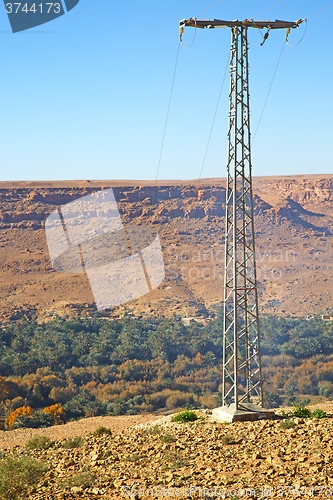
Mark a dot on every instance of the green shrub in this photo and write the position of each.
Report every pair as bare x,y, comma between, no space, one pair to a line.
272,400
102,430
168,438
84,404
153,430
132,458
84,480
39,443
17,475
74,442
175,459
227,440
304,402
301,412
287,424
34,421
184,416
131,411
318,414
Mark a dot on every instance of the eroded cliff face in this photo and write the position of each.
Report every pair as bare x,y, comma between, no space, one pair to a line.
294,235
29,207
308,191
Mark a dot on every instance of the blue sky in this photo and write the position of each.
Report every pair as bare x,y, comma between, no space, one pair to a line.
86,95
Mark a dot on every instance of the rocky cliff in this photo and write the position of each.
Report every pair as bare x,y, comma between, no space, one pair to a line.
294,234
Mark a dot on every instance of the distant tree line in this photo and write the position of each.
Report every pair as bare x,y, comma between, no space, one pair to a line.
112,367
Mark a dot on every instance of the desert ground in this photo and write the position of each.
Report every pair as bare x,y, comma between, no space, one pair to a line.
200,459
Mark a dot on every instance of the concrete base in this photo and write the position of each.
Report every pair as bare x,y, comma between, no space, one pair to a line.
246,411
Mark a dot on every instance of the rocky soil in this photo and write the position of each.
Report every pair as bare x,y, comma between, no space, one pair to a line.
294,236
244,459
82,427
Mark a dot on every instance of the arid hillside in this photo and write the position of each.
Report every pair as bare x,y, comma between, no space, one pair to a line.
163,459
294,235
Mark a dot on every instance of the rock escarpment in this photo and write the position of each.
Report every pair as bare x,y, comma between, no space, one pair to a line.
293,223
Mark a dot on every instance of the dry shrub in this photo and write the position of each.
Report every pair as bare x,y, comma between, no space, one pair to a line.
39,443
15,403
158,399
82,480
208,401
102,430
8,389
75,442
17,475
178,399
64,394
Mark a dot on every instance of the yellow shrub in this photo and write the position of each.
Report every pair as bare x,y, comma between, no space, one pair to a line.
22,411
57,413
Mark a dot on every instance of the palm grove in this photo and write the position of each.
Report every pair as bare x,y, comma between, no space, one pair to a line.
88,367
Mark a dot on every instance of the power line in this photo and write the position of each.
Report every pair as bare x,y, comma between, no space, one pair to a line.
166,122
213,123
318,11
266,9
269,90
218,1
285,41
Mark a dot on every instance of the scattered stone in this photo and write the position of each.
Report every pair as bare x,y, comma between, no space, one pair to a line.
136,460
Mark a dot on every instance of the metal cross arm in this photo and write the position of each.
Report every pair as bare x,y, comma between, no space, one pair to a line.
249,23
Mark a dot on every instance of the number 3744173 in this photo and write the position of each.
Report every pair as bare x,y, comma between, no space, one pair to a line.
285,491
44,7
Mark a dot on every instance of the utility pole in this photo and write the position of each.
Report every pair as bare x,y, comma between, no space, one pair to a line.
242,391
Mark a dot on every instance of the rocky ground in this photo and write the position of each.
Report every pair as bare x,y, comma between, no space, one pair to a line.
199,459
82,427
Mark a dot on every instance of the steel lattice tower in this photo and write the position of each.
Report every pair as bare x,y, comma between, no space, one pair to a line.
241,341
241,379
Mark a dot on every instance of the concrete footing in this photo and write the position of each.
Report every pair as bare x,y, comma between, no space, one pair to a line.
246,411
